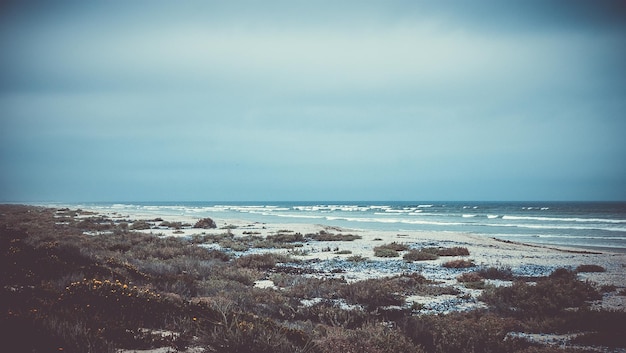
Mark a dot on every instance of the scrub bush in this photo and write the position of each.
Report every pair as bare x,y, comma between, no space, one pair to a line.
459,264
590,268
419,255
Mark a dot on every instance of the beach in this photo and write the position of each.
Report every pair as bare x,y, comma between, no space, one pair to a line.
151,282
329,257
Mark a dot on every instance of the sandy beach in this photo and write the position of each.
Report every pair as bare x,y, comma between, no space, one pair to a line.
328,258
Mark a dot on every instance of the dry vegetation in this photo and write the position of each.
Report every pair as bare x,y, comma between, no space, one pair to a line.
64,290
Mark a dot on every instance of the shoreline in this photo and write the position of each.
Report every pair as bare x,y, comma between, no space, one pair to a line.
283,213
528,259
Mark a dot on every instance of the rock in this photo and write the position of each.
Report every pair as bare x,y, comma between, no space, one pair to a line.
205,223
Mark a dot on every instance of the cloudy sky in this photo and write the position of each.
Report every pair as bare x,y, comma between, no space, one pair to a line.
312,100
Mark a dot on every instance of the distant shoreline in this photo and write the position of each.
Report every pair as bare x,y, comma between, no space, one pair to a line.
594,225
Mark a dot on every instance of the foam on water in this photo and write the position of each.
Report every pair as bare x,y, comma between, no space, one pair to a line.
602,224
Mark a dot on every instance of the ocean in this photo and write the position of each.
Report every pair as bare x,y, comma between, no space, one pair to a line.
577,224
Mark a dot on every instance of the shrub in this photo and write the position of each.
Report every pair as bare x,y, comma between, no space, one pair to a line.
471,280
372,293
259,261
389,250
373,338
590,268
601,328
505,274
325,236
459,264
286,237
454,251
385,252
299,252
441,251
419,255
331,313
356,258
308,288
469,277
395,246
173,225
548,296
205,223
241,332
140,225
463,333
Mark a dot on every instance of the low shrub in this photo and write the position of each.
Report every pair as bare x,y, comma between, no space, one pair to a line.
505,273
356,258
241,332
326,236
390,250
371,293
385,252
205,223
469,277
309,288
419,255
590,268
463,333
441,251
172,225
454,251
332,313
140,225
373,338
260,261
600,328
471,280
379,292
459,264
395,246
299,252
549,296
286,237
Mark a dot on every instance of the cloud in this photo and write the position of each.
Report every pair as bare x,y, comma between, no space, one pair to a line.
239,99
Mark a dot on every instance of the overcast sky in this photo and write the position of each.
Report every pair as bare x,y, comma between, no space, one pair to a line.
312,100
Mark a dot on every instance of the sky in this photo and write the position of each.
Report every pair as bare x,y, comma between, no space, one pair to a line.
312,100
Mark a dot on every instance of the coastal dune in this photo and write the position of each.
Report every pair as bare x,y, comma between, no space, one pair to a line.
103,281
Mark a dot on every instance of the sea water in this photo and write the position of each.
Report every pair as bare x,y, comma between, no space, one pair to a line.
579,224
